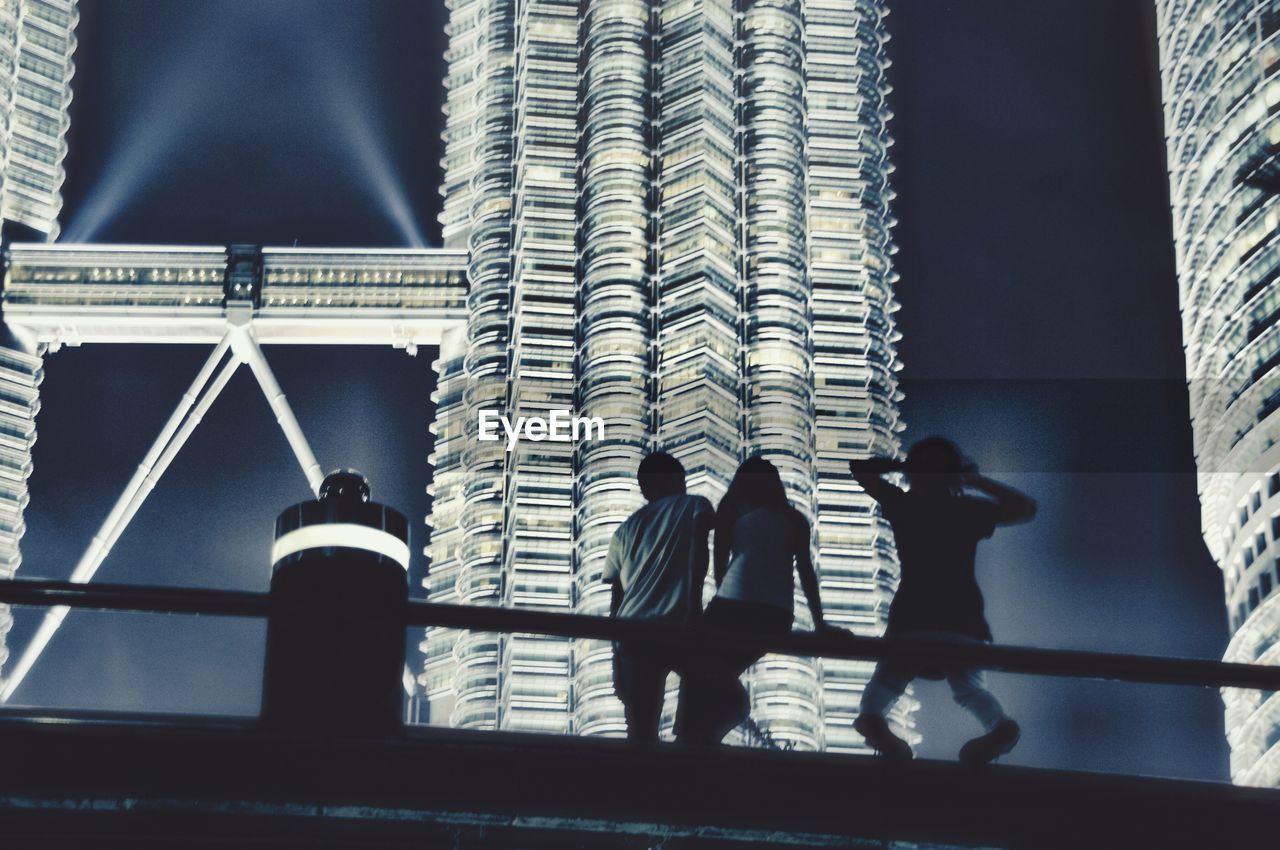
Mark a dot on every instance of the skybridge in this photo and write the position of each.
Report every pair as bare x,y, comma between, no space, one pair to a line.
73,295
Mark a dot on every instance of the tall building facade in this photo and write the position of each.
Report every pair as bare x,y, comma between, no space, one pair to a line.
677,219
1220,64
37,39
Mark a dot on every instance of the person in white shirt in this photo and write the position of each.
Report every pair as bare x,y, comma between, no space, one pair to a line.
656,565
761,543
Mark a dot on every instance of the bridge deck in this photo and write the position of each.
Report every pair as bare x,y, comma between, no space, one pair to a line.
77,294
98,784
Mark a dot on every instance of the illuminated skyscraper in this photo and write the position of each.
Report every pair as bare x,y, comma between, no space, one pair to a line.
36,42
1220,63
677,220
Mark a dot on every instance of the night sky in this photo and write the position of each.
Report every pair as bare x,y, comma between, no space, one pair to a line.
1039,320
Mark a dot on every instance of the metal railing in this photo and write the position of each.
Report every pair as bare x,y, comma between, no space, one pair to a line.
150,774
1146,669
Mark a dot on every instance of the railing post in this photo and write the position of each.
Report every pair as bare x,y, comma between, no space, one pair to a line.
336,628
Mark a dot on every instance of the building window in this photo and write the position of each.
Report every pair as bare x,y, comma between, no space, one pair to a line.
1264,582
1248,558
1273,484
1253,598
1243,516
1255,501
1260,543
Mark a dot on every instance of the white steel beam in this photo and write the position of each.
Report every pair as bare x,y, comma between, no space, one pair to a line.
195,403
246,348
93,556
140,486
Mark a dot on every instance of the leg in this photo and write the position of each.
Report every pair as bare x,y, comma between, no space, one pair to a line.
712,699
718,700
643,717
711,704
969,688
640,679
887,684
734,618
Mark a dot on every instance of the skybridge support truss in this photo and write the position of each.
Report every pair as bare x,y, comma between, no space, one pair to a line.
235,298
182,423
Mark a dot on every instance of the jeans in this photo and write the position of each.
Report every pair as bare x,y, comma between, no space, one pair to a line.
712,698
640,680
968,684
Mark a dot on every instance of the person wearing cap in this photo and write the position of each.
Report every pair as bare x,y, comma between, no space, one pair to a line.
656,565
937,526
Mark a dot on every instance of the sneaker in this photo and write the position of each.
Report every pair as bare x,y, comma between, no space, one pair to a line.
989,747
876,732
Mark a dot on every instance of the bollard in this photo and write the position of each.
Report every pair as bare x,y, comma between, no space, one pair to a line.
336,631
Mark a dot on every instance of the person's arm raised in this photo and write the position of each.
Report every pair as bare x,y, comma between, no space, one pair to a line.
868,471
1012,505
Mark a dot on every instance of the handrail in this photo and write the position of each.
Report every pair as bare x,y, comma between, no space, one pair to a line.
1147,669
134,597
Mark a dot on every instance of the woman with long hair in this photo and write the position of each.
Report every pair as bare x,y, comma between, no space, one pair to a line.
761,541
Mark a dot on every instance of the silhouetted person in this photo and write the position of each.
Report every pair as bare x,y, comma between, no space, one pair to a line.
761,542
937,528
656,566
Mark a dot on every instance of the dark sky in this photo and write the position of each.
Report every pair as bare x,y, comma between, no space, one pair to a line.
1039,318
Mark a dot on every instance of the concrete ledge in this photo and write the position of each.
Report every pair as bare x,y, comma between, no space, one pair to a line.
112,784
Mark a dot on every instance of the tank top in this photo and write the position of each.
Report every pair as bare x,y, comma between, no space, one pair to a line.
762,562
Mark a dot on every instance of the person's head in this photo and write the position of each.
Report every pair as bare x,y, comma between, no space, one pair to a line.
756,484
660,475
935,464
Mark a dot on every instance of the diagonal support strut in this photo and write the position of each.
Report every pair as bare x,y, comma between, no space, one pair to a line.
191,409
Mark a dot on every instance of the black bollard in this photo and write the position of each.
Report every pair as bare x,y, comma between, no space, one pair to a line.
336,631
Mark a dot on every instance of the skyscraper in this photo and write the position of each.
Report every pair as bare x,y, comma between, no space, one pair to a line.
1220,63
37,40
677,218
